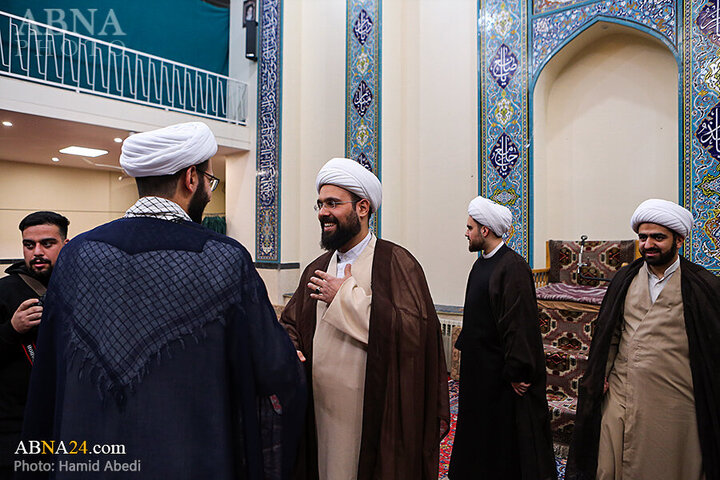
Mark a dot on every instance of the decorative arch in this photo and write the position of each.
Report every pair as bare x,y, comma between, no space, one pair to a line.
595,20
579,159
515,40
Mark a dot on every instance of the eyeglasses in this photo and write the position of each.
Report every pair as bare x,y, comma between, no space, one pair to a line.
329,204
214,181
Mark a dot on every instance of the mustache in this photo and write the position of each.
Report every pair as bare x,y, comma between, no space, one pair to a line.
39,260
328,219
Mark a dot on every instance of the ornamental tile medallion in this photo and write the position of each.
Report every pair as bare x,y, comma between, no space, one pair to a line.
710,185
362,98
708,21
711,229
505,197
712,77
503,23
363,26
708,132
363,63
363,86
504,155
362,137
503,66
504,111
267,187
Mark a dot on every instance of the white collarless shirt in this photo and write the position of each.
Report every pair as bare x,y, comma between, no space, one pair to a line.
347,258
655,283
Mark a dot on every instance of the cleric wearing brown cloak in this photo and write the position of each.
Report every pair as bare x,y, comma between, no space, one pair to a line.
503,425
364,323
649,403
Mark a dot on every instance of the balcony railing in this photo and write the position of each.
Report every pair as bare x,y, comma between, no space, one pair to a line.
44,54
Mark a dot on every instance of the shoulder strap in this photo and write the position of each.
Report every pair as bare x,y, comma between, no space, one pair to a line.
33,283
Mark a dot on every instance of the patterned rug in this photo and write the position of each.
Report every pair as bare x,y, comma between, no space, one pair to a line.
446,445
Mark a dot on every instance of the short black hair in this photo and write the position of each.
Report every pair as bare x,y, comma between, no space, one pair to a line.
164,185
356,198
46,218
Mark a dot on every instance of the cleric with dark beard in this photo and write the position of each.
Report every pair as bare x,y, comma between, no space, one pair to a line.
364,324
648,402
158,335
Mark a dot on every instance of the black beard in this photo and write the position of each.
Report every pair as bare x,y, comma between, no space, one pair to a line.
344,232
197,204
662,259
43,276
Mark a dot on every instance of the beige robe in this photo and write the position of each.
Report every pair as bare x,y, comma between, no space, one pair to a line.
339,359
649,427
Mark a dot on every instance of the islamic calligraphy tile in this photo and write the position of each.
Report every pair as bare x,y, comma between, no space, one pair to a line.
363,27
708,21
503,65
551,32
362,86
267,189
504,155
362,98
544,6
363,160
708,132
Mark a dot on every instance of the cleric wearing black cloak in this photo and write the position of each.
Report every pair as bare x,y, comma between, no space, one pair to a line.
158,339
503,425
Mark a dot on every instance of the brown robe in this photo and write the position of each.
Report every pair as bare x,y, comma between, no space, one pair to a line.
701,310
648,425
406,404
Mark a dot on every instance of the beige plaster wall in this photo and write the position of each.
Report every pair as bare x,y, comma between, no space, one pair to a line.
428,137
313,116
606,135
88,198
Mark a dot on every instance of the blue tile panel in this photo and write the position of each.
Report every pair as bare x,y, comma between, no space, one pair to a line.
363,85
267,196
503,119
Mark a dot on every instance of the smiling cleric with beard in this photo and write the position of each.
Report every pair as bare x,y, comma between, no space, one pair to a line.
648,403
364,324
43,236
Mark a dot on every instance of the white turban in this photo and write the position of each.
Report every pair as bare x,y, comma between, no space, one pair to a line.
497,218
665,213
353,177
167,150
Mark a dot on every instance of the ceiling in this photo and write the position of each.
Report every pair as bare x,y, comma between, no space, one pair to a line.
35,139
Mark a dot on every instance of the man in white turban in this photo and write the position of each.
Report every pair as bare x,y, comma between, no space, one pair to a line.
158,334
648,404
503,424
172,170
364,323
